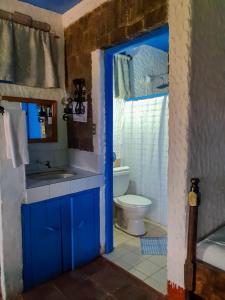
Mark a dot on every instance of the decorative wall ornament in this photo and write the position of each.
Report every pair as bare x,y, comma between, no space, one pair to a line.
75,104
42,115
45,113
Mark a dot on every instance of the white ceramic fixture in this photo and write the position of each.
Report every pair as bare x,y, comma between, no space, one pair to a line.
134,207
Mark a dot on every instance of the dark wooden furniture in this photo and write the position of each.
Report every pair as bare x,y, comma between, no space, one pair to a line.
51,136
202,280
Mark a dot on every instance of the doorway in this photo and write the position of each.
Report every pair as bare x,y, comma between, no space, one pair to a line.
124,247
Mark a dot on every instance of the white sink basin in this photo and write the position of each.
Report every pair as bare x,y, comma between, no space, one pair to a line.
51,175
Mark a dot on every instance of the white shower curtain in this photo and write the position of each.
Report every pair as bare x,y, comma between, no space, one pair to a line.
118,123
145,151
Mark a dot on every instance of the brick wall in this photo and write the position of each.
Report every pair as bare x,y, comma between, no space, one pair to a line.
112,23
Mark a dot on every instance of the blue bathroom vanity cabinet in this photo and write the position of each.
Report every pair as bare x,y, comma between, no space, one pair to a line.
59,235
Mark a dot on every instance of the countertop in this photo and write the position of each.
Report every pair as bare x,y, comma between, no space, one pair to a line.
46,189
78,174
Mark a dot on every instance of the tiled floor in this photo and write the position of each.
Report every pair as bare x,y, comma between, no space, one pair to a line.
127,254
99,280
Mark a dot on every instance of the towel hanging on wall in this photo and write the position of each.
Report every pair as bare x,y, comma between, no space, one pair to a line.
28,56
16,137
121,76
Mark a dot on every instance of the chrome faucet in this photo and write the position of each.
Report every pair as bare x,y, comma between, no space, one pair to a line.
47,163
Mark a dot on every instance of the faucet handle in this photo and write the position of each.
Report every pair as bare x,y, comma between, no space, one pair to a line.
48,164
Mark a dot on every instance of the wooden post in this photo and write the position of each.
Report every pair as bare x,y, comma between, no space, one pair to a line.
190,263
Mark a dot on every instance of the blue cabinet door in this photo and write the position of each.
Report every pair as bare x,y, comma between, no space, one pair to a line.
59,235
85,227
42,242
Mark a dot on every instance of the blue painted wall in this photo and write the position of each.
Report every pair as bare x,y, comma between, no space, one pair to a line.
59,6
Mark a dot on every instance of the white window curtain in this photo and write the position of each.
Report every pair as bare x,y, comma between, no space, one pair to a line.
28,56
145,151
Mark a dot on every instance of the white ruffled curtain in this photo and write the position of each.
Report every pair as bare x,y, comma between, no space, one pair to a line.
28,56
143,145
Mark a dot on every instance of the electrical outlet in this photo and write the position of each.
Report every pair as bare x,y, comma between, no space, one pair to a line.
93,129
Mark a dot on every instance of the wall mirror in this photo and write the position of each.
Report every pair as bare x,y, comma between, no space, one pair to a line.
41,118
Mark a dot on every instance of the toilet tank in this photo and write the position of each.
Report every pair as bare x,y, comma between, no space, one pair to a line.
121,176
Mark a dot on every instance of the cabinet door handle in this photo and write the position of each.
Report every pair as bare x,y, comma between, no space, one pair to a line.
51,229
81,224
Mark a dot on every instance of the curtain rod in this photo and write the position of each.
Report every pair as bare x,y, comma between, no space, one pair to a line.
16,16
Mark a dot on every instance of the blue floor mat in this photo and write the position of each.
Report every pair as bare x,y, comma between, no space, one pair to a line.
153,245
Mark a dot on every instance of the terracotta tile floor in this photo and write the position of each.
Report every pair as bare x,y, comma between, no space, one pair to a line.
127,255
99,280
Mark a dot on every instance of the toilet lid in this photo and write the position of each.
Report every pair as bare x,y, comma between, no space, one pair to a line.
134,200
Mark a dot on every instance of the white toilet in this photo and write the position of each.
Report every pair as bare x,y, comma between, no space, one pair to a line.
134,208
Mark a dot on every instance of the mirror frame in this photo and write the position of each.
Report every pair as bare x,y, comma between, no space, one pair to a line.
52,103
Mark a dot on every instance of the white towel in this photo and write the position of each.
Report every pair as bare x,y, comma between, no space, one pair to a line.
3,142
16,137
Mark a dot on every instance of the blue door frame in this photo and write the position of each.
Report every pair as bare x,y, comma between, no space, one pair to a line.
159,39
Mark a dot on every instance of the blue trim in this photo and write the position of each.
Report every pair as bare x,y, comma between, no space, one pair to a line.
109,152
147,97
150,39
6,81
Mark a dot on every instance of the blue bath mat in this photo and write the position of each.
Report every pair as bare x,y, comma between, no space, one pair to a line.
154,245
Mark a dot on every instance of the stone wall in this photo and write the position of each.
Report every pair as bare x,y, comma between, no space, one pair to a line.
112,23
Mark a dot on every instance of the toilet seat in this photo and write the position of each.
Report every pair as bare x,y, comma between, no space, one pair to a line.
133,200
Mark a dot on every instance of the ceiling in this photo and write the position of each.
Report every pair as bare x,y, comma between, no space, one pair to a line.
59,6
